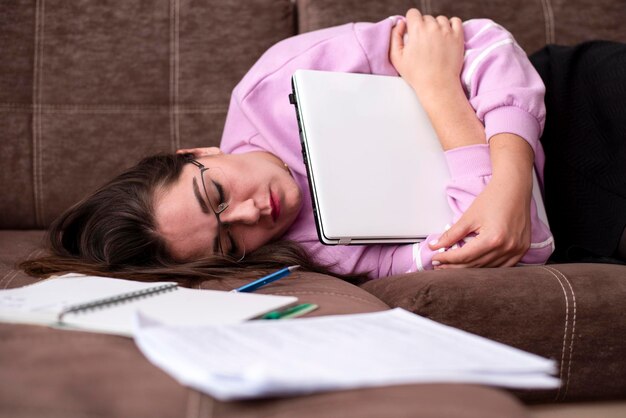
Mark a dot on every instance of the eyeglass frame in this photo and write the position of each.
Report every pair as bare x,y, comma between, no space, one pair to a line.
221,226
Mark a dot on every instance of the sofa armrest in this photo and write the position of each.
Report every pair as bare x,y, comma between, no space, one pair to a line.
571,313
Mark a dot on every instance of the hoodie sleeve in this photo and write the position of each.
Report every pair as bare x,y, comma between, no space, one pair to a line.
508,96
503,87
470,169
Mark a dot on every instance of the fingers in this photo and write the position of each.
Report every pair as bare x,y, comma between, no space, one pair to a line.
396,46
472,253
465,257
200,152
444,23
413,15
457,25
397,36
456,233
481,252
417,22
415,18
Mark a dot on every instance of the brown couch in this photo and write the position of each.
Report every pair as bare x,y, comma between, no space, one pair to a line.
88,87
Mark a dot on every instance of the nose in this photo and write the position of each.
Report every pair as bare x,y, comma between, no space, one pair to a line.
245,212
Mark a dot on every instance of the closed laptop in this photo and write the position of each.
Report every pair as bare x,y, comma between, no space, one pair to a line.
376,169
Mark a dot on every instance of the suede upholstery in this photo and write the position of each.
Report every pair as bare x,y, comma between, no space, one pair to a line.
87,87
568,312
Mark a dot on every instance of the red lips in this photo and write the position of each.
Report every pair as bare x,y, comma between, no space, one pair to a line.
275,203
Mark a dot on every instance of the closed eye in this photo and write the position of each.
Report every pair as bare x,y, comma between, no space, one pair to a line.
199,198
220,194
233,247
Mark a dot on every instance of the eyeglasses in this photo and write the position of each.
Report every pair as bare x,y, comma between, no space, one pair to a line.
216,187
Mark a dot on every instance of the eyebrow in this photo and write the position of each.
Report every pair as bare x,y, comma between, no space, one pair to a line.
205,209
201,202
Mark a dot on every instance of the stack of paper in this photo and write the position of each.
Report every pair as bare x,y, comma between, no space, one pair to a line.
269,358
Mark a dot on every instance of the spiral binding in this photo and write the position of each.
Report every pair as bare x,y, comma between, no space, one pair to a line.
116,300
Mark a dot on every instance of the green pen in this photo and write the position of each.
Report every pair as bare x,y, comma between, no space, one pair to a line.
292,312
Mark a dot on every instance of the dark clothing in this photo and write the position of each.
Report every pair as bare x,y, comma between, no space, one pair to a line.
585,146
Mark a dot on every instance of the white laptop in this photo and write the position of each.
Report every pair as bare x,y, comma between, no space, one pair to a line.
376,169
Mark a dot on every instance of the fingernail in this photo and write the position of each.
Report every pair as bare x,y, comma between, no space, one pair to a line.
436,263
434,242
441,250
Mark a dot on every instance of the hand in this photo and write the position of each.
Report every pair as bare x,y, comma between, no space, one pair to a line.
432,57
431,62
200,152
499,216
502,228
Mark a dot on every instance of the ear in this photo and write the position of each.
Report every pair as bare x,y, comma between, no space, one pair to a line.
200,152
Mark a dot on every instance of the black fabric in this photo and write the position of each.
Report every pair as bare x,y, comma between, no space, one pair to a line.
621,248
585,145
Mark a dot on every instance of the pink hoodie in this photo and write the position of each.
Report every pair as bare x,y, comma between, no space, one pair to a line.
500,82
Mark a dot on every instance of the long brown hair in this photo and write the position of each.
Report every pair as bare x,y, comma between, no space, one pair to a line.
112,232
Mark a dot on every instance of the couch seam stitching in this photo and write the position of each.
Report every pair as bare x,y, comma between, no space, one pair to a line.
573,333
16,271
207,404
171,73
561,368
36,118
174,75
306,20
192,402
548,19
178,6
11,279
552,22
40,187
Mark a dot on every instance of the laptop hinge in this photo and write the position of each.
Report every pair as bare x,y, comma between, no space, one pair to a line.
344,241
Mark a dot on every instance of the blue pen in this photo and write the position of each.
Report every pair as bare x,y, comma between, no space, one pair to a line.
251,287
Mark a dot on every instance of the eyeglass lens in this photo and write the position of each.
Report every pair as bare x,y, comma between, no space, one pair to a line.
217,190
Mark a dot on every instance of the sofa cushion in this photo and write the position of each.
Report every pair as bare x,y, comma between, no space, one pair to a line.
16,246
88,88
533,23
71,374
57,373
572,313
78,374
409,401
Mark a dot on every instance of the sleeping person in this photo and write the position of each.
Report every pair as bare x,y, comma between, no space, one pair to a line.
212,212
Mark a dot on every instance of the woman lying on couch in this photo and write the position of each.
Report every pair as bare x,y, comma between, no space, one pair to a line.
247,205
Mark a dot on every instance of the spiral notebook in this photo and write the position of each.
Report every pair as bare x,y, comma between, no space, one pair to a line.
108,305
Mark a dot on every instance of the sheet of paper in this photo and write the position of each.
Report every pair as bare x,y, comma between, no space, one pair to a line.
267,358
